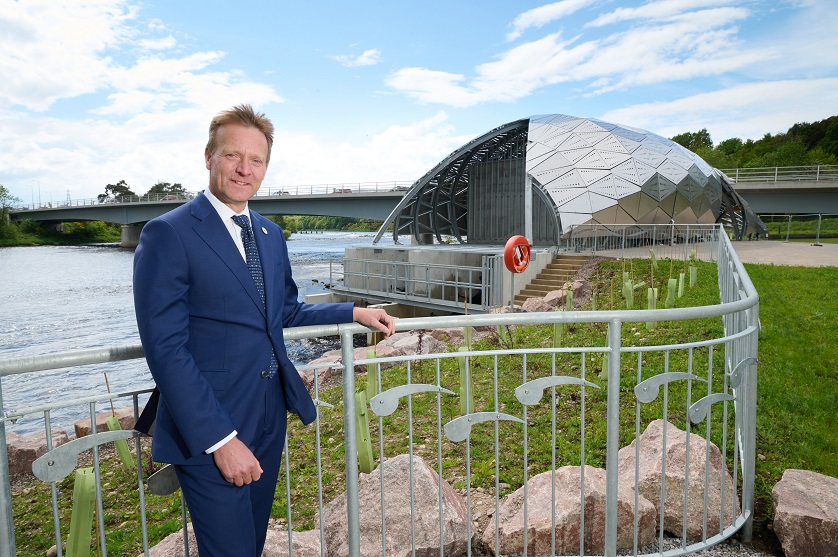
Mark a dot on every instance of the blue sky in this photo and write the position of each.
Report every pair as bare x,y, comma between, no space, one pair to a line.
93,92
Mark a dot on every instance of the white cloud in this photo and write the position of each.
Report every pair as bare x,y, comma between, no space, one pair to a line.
663,9
699,44
542,15
746,111
369,57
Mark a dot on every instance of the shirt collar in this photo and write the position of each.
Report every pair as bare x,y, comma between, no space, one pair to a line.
223,210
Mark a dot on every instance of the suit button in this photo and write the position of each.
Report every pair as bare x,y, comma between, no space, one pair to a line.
264,374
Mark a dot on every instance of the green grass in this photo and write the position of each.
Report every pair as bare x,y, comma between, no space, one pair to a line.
796,422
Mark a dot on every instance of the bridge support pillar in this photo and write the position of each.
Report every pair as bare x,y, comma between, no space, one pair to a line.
130,235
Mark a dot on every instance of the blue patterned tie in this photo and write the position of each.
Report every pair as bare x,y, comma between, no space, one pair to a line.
254,264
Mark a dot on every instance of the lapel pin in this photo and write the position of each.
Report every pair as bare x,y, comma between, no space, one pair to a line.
264,231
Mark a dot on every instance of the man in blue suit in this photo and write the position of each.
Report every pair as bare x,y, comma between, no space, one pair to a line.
212,337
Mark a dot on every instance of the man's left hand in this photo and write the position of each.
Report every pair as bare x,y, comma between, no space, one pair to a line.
375,318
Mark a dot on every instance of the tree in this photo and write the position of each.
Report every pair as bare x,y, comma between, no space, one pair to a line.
7,200
116,191
161,190
694,141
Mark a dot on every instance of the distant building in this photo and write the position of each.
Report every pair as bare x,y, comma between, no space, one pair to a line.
545,175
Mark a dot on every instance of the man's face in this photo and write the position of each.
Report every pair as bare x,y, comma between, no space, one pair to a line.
238,165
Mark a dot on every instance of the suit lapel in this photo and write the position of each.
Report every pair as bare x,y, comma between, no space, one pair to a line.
210,228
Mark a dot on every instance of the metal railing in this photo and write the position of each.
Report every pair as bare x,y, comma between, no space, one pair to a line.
710,380
788,226
674,241
336,188
771,174
436,284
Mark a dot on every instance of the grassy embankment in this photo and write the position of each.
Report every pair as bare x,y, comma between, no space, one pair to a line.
796,424
31,233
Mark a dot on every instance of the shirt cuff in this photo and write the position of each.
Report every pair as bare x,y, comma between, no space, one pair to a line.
221,443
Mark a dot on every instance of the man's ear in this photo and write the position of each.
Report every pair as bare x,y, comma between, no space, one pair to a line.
208,159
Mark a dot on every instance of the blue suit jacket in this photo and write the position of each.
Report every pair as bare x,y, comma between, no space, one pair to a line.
207,336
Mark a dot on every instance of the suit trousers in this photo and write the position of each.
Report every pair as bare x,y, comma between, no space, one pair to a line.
231,521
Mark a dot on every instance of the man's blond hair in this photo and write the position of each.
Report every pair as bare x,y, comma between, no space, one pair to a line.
243,115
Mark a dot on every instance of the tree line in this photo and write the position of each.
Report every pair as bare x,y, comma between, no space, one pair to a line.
804,144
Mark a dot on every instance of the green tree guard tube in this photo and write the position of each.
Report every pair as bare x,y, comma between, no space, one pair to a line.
628,293
653,258
652,295
670,292
693,275
362,428
121,445
372,379
569,299
466,386
557,335
680,284
81,520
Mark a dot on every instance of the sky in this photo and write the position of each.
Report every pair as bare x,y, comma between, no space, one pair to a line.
97,91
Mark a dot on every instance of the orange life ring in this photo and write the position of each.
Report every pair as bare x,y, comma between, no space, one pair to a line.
516,254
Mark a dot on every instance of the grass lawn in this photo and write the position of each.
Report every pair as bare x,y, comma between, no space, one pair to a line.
796,419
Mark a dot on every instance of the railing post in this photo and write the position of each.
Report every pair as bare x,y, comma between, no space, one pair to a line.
7,525
750,429
350,445
612,433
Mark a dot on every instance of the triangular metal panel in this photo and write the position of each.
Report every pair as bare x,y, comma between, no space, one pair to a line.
658,216
604,186
658,187
628,172
593,175
604,125
560,178
628,144
701,205
610,143
624,187
612,159
613,215
592,137
667,204
681,203
655,144
697,175
574,141
600,202
588,126
593,160
687,216
554,160
689,188
536,150
680,159
622,131
646,206
578,154
581,204
631,204
563,195
570,220
556,139
648,156
672,171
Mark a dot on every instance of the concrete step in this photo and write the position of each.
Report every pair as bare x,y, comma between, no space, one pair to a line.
554,276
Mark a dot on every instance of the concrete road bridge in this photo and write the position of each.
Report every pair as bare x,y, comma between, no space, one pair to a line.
774,190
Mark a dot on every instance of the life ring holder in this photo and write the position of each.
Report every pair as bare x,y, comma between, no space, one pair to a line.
516,254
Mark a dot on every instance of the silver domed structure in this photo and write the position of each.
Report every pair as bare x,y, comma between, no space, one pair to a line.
565,172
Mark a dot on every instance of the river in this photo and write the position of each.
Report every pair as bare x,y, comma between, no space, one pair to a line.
59,298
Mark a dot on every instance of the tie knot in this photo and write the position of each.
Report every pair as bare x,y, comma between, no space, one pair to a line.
242,221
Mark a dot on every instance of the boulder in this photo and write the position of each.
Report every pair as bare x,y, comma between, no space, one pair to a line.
425,518
806,513
567,512
23,450
555,298
399,344
649,479
536,304
305,544
124,415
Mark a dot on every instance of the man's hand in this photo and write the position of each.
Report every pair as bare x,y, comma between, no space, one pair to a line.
375,318
237,463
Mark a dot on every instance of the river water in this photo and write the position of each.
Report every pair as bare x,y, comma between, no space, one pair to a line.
59,298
